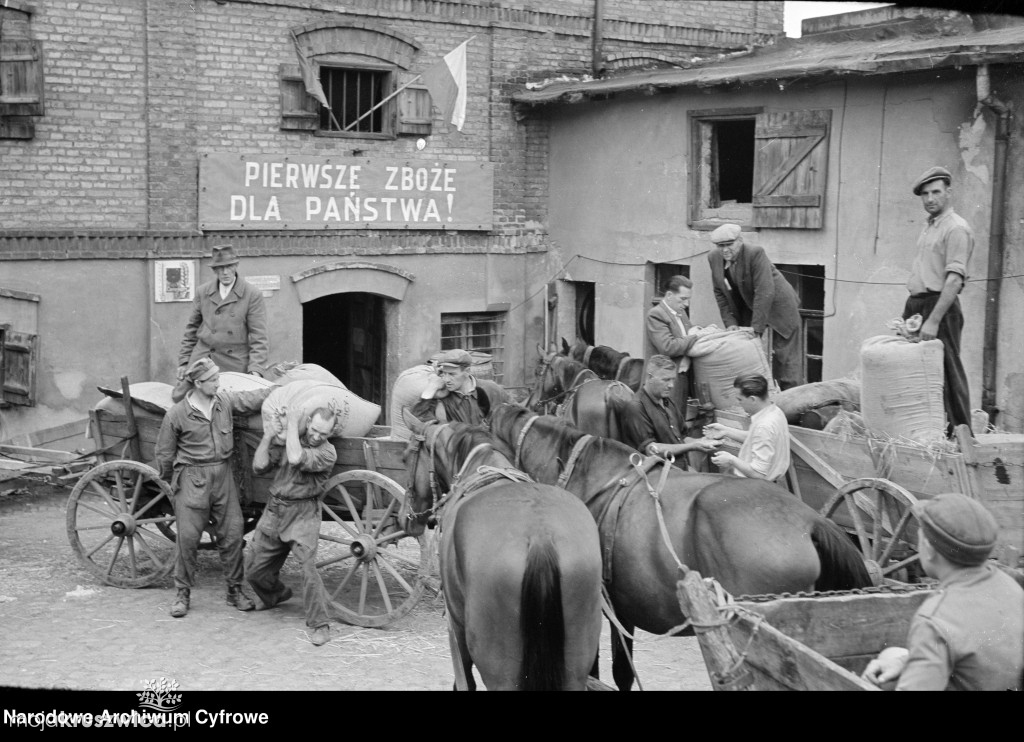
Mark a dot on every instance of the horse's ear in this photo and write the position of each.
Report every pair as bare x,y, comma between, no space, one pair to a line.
565,347
416,425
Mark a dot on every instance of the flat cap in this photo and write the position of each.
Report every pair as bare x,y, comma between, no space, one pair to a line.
929,175
201,369
959,528
725,233
455,357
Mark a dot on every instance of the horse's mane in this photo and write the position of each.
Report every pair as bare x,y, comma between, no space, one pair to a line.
605,361
464,439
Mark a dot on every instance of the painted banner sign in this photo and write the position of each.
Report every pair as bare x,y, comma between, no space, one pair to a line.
268,192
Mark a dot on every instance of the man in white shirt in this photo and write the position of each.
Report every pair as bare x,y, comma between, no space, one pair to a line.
764,450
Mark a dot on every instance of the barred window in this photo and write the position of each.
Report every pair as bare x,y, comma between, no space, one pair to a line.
480,332
352,93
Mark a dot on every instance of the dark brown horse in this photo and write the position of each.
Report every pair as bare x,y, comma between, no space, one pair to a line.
520,563
751,535
589,403
607,363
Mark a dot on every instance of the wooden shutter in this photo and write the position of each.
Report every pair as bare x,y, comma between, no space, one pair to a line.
790,168
17,366
21,78
414,110
299,110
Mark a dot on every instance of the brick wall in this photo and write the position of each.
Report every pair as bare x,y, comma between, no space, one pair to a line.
137,91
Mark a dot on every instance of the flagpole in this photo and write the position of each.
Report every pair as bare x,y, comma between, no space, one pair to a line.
304,61
399,90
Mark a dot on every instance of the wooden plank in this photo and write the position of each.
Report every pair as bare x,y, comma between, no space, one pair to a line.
844,626
825,470
36,455
787,201
788,663
720,655
40,438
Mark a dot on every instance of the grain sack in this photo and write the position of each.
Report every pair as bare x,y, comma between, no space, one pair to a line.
355,416
406,393
285,373
719,357
797,400
901,388
847,424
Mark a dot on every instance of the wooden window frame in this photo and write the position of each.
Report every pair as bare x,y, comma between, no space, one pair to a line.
495,346
696,119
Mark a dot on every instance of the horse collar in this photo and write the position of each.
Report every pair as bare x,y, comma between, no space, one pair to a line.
622,364
586,355
577,449
521,439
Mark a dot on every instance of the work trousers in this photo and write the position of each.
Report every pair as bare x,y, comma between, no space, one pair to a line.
204,493
956,396
788,359
288,527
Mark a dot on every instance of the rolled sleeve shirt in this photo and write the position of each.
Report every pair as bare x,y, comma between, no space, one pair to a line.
650,421
945,246
766,448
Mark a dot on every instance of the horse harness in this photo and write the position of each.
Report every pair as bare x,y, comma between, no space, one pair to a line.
618,490
570,390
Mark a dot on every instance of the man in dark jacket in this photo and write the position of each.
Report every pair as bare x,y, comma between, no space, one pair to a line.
455,395
752,293
651,421
228,322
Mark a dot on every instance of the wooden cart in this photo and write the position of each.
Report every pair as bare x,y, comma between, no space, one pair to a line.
797,642
121,523
869,487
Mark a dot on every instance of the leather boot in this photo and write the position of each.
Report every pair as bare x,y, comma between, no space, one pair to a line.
238,598
180,606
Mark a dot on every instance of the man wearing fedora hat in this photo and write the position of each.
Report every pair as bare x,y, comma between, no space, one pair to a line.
936,279
970,635
228,322
455,395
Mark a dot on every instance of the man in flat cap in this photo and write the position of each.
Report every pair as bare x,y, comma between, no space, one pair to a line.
194,450
228,322
969,636
752,293
455,395
936,279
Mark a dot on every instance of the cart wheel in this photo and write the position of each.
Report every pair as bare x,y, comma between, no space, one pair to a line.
881,516
115,516
374,572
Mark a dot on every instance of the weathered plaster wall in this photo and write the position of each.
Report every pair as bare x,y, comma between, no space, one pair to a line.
619,170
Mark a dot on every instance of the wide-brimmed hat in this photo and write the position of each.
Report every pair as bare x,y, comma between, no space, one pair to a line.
223,255
933,173
959,528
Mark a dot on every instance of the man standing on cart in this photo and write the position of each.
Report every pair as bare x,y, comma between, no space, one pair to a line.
194,448
291,520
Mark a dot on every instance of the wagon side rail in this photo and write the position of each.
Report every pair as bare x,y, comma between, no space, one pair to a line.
812,642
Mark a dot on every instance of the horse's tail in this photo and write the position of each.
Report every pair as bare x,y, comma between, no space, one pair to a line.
541,621
842,567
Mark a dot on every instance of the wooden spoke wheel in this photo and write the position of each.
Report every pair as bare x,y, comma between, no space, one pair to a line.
115,518
879,514
373,571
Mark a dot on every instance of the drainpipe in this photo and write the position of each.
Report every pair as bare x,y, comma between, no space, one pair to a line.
597,48
997,246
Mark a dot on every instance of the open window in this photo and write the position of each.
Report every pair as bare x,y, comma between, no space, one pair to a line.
809,282
362,71
758,169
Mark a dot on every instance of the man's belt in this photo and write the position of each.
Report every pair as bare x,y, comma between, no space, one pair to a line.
203,463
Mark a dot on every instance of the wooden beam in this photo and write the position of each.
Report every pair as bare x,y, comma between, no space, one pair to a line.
819,465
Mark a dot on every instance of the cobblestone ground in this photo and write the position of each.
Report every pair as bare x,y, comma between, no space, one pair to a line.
61,628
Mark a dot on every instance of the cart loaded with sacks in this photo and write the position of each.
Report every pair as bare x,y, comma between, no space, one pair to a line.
121,523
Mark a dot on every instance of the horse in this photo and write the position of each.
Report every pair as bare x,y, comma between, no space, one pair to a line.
751,535
589,403
520,563
607,363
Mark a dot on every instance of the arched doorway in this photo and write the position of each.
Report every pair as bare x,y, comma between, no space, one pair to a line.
345,334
